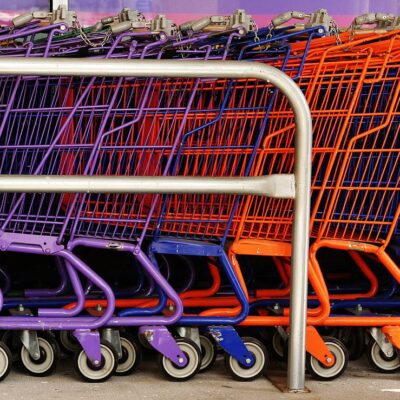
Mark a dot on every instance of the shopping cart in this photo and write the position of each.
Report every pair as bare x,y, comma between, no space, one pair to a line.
154,127
48,223
57,152
225,150
355,196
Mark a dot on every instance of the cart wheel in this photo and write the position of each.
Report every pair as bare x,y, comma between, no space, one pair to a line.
97,373
323,373
380,361
144,343
242,373
68,342
131,355
208,352
353,338
5,361
278,344
49,356
193,355
265,333
13,342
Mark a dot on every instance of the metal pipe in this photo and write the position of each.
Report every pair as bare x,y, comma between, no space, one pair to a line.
54,4
276,186
215,69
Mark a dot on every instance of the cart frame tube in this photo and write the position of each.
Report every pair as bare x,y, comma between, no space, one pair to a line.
201,69
54,4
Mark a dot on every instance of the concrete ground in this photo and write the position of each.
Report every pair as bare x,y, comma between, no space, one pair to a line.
359,382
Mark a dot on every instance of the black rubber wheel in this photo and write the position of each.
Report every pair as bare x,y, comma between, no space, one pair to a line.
242,373
353,338
13,342
208,352
68,343
382,363
180,374
144,343
101,373
278,347
131,355
5,361
265,334
49,356
323,373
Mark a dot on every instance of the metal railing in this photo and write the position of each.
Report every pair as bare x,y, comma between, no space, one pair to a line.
295,186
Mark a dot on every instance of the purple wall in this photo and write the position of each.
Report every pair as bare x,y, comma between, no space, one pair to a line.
179,10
